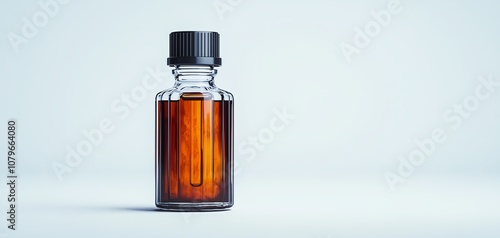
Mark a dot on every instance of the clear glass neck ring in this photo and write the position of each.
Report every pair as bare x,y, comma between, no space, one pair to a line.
194,73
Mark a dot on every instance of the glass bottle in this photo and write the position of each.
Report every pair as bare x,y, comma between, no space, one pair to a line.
194,129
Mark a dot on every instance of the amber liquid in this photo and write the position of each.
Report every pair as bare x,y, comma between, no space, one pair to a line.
194,149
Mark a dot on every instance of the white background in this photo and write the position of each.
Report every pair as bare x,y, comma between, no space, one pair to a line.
322,175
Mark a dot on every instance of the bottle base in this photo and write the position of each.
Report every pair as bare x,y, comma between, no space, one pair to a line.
194,207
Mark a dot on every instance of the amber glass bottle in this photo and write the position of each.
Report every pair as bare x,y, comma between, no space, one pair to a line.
194,129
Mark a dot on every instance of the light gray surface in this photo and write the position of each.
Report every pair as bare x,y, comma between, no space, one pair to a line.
342,207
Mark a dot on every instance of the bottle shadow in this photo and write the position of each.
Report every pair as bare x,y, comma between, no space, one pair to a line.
154,209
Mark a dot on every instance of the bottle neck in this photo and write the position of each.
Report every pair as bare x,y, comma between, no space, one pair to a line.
194,75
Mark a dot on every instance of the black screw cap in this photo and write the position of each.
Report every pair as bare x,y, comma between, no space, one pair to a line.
194,48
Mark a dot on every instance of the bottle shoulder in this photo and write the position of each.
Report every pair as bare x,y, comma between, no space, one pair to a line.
175,93
227,94
165,92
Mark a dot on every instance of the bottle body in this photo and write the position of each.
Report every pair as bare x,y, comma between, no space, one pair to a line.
194,143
